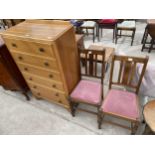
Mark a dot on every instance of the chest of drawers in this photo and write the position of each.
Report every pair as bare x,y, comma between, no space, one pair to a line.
45,51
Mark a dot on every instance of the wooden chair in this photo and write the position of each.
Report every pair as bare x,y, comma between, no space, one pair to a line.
120,103
89,25
149,117
106,24
126,25
150,31
89,92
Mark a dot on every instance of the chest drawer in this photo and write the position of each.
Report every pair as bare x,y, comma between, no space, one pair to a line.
36,61
44,81
34,48
39,71
47,93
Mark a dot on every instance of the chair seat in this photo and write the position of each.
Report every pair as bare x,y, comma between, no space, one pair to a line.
127,25
88,24
121,103
87,91
107,21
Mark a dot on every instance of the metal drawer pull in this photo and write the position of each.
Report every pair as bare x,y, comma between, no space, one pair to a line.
51,76
20,58
30,78
38,94
41,50
14,45
46,63
26,69
60,101
54,86
57,94
34,87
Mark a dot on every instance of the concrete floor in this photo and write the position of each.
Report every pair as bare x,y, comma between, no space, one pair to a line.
18,116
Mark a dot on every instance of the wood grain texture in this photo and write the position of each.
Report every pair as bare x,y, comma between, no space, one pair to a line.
46,54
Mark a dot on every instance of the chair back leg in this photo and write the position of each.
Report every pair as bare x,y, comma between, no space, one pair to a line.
151,46
116,37
133,35
144,35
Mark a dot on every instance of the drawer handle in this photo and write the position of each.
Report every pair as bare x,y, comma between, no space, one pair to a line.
20,58
46,63
38,94
51,76
26,69
14,45
60,101
34,87
57,94
41,50
30,79
54,86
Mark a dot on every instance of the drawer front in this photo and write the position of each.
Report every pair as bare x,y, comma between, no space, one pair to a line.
42,81
30,47
49,94
63,103
36,61
40,72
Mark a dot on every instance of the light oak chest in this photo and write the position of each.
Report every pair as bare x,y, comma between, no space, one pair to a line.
46,53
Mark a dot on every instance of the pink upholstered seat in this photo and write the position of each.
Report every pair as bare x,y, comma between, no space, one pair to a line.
121,103
108,21
87,91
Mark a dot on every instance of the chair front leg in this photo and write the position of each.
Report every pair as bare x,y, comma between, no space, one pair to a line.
144,35
116,33
134,127
133,35
72,108
97,32
99,118
93,35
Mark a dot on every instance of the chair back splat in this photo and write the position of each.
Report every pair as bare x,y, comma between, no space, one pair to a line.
127,71
93,63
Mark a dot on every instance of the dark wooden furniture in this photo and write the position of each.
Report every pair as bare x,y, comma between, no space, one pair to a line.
89,26
11,22
151,32
10,76
145,35
126,25
149,117
106,24
120,103
87,91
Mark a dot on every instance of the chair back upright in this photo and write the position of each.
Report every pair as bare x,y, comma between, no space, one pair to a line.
128,66
93,63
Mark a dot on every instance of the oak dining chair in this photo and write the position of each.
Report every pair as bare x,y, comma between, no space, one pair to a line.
122,99
89,90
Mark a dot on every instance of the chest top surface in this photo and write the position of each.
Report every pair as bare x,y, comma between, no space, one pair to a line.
47,30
